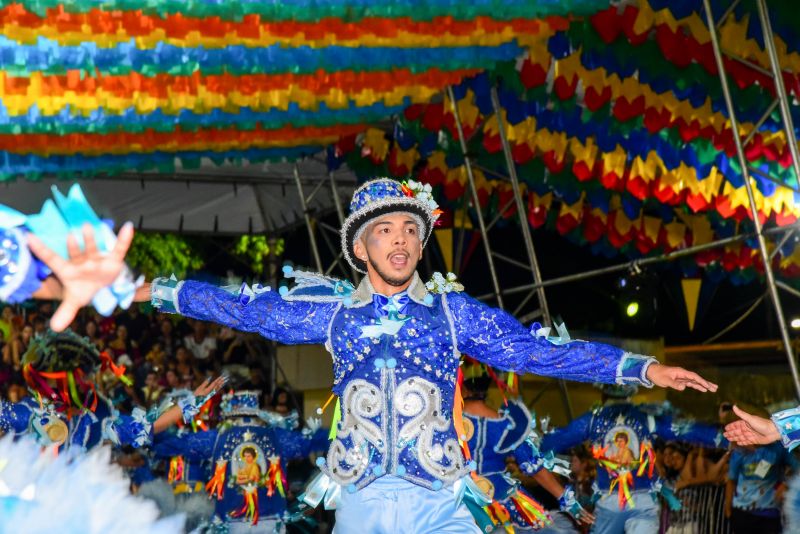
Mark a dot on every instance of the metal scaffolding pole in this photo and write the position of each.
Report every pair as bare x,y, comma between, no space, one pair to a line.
475,200
762,246
304,204
337,202
526,233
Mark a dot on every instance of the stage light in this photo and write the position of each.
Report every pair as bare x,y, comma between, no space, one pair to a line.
795,323
632,309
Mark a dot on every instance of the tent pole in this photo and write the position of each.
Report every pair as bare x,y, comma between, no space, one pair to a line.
475,199
527,239
778,80
307,216
337,202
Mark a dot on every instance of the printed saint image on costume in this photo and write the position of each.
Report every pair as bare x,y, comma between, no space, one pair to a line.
248,463
622,442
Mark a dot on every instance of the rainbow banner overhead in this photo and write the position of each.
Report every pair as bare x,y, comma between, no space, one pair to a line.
91,86
620,134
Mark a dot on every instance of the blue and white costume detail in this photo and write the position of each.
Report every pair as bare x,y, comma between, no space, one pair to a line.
491,441
621,434
396,385
82,431
271,446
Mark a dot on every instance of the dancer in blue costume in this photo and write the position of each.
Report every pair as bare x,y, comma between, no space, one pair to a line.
494,436
69,412
621,434
396,459
248,452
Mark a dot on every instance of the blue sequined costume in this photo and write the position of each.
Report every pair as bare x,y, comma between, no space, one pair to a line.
227,448
84,430
788,423
491,441
621,435
395,362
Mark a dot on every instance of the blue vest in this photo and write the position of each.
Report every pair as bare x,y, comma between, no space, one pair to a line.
396,399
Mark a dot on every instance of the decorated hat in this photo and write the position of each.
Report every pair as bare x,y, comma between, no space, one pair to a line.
69,360
381,197
241,403
618,391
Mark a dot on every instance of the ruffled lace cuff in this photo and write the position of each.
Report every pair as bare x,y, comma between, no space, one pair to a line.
788,423
189,408
164,294
632,369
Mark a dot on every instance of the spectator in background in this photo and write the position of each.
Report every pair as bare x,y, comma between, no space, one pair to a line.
15,349
122,344
234,347
185,367
91,331
172,379
137,324
167,338
201,345
8,326
40,325
152,390
281,404
756,482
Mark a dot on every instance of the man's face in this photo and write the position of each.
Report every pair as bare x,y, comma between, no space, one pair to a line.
391,246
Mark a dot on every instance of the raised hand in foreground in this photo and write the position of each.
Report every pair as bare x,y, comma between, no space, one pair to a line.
76,280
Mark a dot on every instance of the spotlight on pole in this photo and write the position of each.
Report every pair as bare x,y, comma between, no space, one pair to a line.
795,323
632,309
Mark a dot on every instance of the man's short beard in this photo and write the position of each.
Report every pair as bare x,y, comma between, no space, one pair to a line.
394,282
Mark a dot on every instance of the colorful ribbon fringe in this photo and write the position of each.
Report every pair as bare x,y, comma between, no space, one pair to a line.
95,87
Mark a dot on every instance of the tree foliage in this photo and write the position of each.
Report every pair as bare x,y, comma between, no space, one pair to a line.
255,250
162,255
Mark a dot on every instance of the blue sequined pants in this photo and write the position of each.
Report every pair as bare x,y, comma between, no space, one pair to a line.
391,505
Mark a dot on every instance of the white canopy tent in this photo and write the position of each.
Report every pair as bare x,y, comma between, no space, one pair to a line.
228,199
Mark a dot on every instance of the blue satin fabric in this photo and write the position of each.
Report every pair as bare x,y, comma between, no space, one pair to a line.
640,519
391,505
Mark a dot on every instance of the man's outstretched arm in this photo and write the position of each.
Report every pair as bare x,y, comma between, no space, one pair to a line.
498,339
265,311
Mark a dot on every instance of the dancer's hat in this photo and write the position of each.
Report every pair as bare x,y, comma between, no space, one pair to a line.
383,196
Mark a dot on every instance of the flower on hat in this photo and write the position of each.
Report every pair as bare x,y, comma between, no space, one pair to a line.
423,192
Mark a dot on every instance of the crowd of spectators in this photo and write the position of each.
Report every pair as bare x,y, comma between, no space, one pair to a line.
160,352
721,491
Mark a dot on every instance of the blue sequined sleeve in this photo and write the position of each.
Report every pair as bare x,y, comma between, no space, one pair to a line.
289,322
498,339
690,432
564,438
195,446
20,272
529,459
14,417
134,429
294,444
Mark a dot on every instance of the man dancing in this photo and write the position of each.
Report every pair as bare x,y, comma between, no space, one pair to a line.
395,350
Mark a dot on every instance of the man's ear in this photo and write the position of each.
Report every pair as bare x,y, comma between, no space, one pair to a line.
359,249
